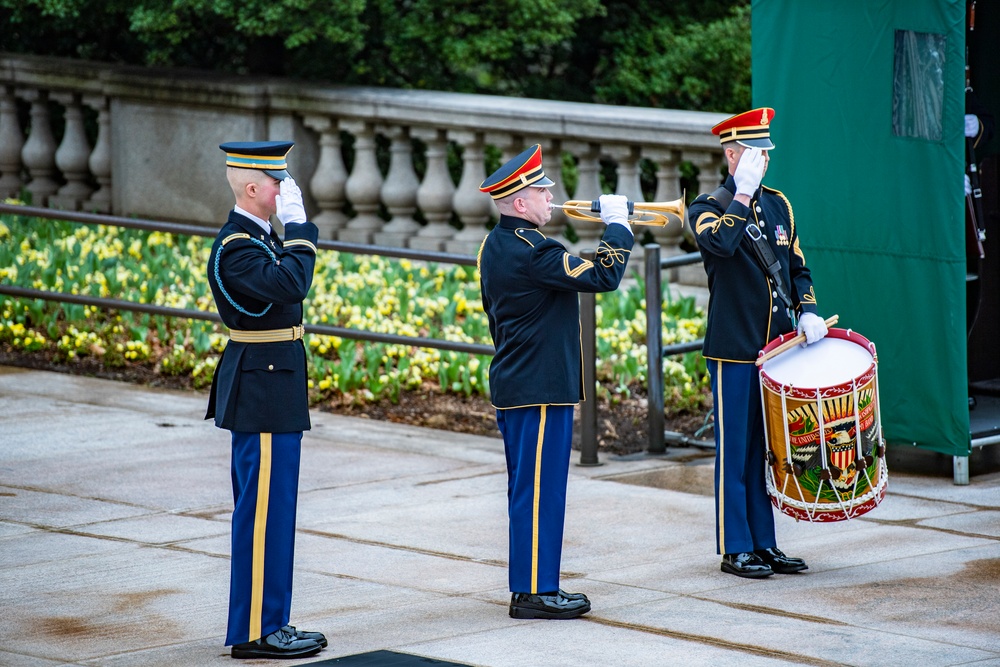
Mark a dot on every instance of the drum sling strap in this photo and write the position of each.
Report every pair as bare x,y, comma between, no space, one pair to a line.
760,248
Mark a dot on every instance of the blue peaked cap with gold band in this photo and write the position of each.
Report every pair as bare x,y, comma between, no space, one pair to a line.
519,172
750,128
268,156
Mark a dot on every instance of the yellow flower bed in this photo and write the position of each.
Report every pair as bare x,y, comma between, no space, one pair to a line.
401,297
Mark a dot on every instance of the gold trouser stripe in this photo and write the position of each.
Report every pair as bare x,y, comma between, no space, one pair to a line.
259,533
720,426
268,335
537,498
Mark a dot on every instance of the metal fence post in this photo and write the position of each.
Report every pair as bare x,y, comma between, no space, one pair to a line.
654,350
588,406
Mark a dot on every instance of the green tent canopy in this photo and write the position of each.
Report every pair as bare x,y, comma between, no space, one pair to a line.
869,148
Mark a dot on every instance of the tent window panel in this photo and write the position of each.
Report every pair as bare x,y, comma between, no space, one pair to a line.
918,84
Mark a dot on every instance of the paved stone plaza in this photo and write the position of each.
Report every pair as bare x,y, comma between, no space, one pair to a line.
114,550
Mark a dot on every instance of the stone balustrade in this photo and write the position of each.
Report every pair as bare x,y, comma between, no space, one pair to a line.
385,166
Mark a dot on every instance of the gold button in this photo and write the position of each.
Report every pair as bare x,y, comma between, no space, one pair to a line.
270,367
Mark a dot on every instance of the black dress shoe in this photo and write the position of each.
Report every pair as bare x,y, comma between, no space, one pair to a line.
278,644
548,605
746,564
781,563
573,596
317,637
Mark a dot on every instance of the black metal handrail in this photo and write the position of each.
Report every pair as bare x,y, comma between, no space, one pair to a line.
655,351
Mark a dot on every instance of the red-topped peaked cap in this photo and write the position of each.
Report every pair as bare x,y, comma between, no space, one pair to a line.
519,172
750,128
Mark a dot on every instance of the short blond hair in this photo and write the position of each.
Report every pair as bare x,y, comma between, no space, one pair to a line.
240,178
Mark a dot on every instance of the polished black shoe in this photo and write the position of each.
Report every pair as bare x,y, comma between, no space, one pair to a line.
317,637
746,564
278,644
573,596
781,563
548,605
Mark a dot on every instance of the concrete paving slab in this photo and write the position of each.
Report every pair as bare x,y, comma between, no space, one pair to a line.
114,550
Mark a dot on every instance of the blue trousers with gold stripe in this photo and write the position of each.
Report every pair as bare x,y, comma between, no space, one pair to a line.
537,441
744,520
265,471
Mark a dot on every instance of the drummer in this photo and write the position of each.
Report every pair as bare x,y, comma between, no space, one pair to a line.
741,228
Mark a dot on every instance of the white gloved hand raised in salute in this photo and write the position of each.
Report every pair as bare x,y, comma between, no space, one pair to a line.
614,210
750,171
813,327
289,203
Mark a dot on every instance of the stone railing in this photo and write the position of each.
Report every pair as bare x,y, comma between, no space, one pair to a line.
373,163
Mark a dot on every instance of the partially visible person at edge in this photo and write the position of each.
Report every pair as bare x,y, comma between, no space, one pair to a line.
259,392
530,285
745,312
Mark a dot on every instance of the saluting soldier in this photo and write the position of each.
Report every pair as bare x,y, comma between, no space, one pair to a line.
749,305
530,285
259,391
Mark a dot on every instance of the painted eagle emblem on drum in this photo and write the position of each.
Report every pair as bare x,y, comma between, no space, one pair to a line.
846,454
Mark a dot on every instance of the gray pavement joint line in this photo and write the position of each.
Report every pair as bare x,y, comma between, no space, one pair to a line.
460,478
400,547
768,610
777,654
122,503
946,501
914,523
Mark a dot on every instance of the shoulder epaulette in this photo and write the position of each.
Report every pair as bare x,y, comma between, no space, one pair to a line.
233,237
524,231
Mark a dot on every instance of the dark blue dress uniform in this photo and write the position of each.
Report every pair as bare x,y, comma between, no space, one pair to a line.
530,287
744,314
260,394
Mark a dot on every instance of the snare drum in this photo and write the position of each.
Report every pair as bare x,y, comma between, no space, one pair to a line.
828,388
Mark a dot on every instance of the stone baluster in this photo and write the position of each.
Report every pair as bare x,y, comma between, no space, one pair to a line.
38,153
588,188
11,143
328,184
472,206
629,185
708,165
435,192
72,156
399,192
668,188
100,157
552,165
363,186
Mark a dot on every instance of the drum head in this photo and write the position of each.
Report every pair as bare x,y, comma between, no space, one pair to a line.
825,363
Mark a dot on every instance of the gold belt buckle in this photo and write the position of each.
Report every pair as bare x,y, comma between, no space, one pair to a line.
298,331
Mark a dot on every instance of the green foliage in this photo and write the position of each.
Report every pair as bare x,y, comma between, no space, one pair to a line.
681,54
399,297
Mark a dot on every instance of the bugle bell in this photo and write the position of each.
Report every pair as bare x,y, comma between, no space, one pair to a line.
653,214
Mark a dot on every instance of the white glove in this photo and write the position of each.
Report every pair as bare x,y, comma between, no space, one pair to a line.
289,203
614,209
749,171
971,125
813,326
968,186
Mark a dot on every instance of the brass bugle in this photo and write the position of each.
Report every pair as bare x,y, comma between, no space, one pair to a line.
653,214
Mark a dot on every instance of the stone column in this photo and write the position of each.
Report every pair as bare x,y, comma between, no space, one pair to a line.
627,158
38,153
328,184
668,189
588,188
363,186
11,143
472,206
552,165
435,193
72,157
100,157
399,191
